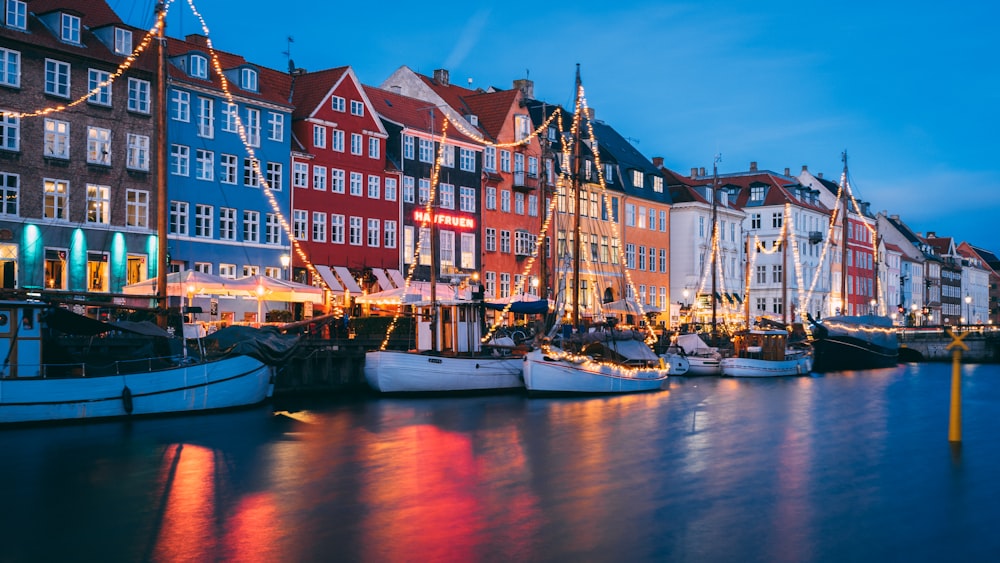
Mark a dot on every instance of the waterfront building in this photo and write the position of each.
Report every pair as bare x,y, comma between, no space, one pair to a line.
910,305
978,281
345,196
888,271
78,190
951,277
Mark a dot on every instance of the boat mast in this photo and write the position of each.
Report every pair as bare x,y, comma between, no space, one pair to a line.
746,279
843,239
161,169
576,197
784,271
432,217
715,239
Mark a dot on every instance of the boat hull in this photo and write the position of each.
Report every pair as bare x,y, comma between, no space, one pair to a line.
546,373
392,371
231,382
754,367
854,343
704,366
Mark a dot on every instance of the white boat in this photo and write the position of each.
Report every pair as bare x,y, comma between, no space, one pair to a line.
608,364
455,361
34,390
702,358
675,363
765,353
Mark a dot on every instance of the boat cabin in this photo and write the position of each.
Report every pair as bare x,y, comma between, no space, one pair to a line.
459,327
760,344
21,338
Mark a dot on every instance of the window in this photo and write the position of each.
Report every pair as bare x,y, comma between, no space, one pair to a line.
229,164
99,146
300,219
355,232
389,233
251,226
756,193
595,207
490,159
250,270
505,242
642,257
203,220
652,259
390,189
336,103
336,181
137,208
374,187
491,197
206,117
504,161
426,150
180,106
356,183
761,274
356,143
70,29
229,114
357,108
373,147
10,189
204,165
447,197
755,220
467,160
300,175
505,201
98,204
490,283
447,250
663,261
253,127
55,268
319,136
57,78
10,132
337,229
56,200
374,232
630,219
123,41
652,219
17,14
227,223
97,84
97,271
519,203
504,284
337,141
524,243
275,176
180,160
491,240
199,67
630,256
138,95
423,191
56,138
532,167
275,126
448,156
776,220
248,79
778,306
468,256
272,229
408,189
179,218
250,177
522,127
319,226
663,221
657,183
467,199
408,147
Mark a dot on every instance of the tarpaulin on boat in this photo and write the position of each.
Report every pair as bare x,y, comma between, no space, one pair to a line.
266,344
536,307
68,322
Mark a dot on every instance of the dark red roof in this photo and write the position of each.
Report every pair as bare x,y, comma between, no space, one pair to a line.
310,89
410,112
492,109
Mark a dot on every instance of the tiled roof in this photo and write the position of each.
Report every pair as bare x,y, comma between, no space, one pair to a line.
310,89
492,109
450,93
409,112
93,14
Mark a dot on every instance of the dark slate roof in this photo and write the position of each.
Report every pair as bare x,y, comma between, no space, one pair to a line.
628,158
987,256
93,14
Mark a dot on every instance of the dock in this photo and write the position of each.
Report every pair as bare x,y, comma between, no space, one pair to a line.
929,344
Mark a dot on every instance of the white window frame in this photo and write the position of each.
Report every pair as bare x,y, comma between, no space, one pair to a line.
275,126
374,233
99,146
179,218
180,160
227,223
138,95
206,117
318,226
248,79
319,178
336,228
136,208
229,165
251,226
98,204
389,232
204,220
337,181
391,189
69,28
97,84
250,177
204,165
275,175
300,174
56,138
319,136
57,78
123,41
337,103
198,66
180,105
357,108
55,199
10,194
374,186
355,234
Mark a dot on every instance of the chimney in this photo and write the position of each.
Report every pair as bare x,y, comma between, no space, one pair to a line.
197,39
787,170
694,172
931,234
441,76
820,175
658,161
701,171
753,165
805,168
527,87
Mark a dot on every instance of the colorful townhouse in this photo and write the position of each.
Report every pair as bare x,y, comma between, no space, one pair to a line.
345,196
985,308
78,193
228,163
951,296
977,278
415,144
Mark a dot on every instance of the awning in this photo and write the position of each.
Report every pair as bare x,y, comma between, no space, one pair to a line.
397,277
347,279
383,280
329,278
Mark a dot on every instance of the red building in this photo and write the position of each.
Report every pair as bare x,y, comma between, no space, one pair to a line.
345,202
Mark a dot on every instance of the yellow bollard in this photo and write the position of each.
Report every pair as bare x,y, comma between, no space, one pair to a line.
955,414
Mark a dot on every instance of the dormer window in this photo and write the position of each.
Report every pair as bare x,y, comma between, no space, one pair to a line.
756,193
657,184
637,179
17,14
248,79
199,66
123,41
70,29
522,127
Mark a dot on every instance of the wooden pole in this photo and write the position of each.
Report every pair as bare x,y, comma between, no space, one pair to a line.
955,413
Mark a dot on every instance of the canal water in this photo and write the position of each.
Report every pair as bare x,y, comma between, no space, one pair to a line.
841,467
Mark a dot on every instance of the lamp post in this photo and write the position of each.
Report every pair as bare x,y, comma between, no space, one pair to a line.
913,309
686,293
260,304
968,309
286,261
873,303
190,292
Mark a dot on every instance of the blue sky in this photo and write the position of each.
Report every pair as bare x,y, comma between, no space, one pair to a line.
910,89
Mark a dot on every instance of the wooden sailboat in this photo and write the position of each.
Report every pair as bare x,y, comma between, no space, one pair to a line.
852,342
40,382
602,361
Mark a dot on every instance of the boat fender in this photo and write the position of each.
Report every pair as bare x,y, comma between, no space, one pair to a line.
477,366
127,399
798,368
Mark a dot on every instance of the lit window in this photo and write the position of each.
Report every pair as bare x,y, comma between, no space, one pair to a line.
70,29
199,66
248,79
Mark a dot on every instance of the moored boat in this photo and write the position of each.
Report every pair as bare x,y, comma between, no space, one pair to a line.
765,353
854,342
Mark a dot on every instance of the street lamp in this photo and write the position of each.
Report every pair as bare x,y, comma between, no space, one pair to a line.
873,303
190,292
260,303
286,261
968,312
